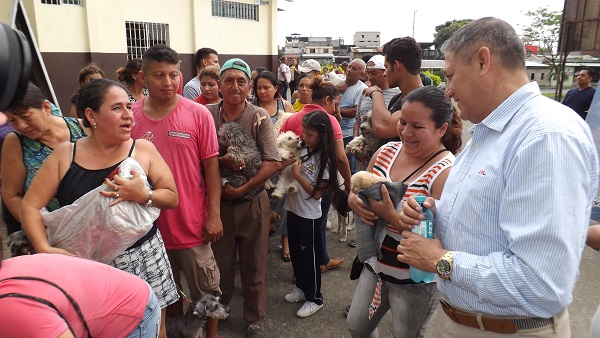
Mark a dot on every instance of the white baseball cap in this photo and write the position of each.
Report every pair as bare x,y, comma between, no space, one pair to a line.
310,65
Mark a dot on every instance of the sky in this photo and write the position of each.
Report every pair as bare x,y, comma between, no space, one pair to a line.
394,18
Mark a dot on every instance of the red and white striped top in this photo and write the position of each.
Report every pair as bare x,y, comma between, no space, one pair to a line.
421,185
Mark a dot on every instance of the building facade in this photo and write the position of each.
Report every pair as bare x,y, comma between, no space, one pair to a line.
367,39
73,33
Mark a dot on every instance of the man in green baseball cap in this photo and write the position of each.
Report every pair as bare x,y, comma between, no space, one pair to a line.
245,226
236,63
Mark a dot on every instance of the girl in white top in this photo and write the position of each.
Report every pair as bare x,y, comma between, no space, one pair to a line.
316,172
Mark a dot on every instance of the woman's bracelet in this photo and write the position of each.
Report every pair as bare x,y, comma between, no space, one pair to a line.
376,90
149,203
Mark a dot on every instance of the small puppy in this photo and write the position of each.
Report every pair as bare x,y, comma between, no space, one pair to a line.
241,148
191,325
364,180
289,147
19,244
364,145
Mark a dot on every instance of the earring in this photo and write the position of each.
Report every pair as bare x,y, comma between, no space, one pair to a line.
95,126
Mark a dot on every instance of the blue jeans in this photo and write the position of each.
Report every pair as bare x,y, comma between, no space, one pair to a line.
149,327
325,206
412,307
351,159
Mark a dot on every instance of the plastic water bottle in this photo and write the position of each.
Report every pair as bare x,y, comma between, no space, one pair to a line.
424,229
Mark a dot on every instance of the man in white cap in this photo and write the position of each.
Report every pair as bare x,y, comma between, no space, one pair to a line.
310,66
376,75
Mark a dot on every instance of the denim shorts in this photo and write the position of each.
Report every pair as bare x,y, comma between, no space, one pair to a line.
149,326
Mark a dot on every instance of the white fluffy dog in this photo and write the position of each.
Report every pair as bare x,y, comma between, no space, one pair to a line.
364,145
280,119
289,147
336,79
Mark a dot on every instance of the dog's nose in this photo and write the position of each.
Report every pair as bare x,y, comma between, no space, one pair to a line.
227,309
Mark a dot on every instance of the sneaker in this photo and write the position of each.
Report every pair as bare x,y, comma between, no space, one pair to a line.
352,243
347,310
295,296
308,309
254,331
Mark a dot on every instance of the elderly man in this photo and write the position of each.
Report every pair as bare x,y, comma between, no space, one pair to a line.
580,99
349,102
204,57
402,68
245,219
509,241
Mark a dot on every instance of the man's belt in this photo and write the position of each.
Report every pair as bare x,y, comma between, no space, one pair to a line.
497,325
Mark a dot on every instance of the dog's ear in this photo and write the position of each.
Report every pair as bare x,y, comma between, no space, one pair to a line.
200,308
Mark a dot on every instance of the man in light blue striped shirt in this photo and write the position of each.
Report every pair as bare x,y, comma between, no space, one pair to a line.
512,220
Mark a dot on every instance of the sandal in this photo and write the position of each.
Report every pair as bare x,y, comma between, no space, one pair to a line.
332,264
285,256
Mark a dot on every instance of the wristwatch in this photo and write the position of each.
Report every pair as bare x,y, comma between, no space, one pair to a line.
444,265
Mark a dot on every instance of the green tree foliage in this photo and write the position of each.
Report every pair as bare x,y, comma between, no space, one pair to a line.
444,31
435,79
543,31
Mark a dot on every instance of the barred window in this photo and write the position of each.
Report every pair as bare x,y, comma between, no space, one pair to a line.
143,35
63,2
234,10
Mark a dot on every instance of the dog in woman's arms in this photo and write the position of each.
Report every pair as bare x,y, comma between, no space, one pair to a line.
241,148
192,324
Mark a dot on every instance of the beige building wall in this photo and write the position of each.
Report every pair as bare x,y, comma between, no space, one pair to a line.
99,26
70,36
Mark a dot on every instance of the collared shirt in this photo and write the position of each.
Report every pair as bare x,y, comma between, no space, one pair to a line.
516,206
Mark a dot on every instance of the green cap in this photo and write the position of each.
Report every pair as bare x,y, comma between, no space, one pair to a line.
236,63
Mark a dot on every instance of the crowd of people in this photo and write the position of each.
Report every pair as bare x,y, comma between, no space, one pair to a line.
502,223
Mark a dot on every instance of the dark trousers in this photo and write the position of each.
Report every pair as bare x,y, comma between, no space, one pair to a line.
304,236
284,88
293,86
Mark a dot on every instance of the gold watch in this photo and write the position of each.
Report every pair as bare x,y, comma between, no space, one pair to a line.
444,265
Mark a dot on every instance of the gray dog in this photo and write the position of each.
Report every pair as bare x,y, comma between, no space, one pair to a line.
192,323
242,149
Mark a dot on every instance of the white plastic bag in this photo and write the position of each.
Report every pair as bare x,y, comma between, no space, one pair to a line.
92,229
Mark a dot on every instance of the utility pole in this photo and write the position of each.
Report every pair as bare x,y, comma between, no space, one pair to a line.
414,16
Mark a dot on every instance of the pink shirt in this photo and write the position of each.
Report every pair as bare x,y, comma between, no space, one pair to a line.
294,122
184,138
112,301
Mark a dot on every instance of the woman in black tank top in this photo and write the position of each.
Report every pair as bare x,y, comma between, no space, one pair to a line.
75,169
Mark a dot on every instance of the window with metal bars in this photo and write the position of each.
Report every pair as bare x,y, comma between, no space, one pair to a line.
234,10
143,35
63,2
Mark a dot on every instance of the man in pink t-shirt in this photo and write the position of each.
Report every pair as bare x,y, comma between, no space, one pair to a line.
184,134
113,303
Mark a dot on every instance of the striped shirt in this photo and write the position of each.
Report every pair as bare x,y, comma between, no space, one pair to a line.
516,207
389,268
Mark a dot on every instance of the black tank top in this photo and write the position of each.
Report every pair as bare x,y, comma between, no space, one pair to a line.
78,181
